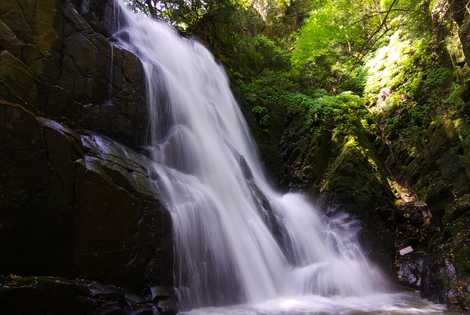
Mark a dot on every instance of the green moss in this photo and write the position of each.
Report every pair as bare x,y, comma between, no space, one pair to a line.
262,116
462,259
336,113
438,77
355,176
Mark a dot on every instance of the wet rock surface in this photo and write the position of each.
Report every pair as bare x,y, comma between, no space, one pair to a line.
435,221
70,67
57,296
78,205
77,199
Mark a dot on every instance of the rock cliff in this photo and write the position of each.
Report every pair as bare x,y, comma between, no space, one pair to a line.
78,196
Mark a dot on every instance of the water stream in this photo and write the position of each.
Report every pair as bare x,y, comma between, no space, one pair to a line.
237,240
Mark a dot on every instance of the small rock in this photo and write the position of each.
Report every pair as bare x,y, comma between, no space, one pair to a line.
407,250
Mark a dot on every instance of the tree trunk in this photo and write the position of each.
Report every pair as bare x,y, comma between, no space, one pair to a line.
460,12
439,16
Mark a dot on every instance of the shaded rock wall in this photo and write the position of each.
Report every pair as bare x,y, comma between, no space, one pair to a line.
54,295
77,198
434,165
70,69
78,205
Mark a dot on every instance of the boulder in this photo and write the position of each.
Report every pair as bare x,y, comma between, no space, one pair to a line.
62,296
27,223
137,245
78,204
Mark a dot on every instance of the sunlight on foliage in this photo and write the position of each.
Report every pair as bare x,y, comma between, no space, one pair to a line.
327,30
387,68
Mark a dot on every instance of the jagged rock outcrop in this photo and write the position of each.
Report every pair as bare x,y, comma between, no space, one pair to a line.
78,205
77,198
70,68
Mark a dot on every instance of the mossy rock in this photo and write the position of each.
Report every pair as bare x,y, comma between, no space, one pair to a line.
354,176
45,20
33,24
462,260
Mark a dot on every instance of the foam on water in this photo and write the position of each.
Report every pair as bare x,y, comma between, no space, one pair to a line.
376,304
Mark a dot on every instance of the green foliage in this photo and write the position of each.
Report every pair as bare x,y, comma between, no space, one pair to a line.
438,77
262,116
250,56
330,74
262,97
268,88
328,30
350,29
341,34
181,13
289,65
391,65
337,113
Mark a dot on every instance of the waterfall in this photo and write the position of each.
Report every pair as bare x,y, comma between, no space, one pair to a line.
237,240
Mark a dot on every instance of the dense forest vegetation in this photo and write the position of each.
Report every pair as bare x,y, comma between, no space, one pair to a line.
375,65
363,104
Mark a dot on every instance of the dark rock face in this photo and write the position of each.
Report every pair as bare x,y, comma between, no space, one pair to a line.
58,296
265,210
101,87
76,201
24,194
78,205
437,226
71,69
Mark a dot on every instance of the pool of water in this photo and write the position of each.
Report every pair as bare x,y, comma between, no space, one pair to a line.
377,304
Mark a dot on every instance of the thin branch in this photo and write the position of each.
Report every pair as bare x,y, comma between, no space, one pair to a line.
367,45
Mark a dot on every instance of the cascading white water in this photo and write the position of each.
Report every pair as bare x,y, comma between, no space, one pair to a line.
237,240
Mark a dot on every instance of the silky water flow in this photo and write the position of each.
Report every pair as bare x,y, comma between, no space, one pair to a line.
240,246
